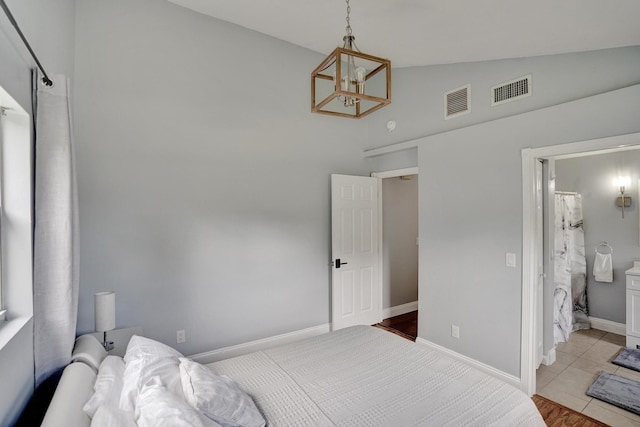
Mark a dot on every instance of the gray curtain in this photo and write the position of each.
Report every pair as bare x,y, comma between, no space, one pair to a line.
570,267
56,256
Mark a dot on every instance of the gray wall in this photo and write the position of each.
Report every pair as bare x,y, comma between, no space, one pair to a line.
16,371
201,200
49,27
400,231
203,176
418,92
471,174
398,160
464,234
594,177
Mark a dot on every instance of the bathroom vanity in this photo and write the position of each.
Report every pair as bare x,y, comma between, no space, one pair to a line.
633,305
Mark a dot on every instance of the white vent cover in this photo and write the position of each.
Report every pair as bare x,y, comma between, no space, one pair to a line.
510,91
457,102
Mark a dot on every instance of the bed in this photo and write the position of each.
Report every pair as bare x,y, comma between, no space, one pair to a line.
358,376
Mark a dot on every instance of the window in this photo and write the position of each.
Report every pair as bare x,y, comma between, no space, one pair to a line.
16,224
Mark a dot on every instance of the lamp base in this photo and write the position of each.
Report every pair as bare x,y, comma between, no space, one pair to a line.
626,200
108,345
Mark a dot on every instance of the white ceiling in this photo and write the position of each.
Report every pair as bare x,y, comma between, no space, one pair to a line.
425,32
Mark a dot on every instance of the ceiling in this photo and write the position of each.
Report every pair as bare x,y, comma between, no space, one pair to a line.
426,32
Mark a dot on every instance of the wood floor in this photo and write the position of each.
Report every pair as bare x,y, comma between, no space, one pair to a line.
557,415
554,414
405,325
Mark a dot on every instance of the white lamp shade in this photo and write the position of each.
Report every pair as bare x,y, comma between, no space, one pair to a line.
105,306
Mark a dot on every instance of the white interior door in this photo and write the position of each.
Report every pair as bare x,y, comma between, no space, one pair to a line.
355,286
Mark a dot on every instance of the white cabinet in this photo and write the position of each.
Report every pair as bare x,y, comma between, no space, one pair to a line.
633,306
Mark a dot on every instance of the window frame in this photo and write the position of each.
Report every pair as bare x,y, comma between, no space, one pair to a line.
16,241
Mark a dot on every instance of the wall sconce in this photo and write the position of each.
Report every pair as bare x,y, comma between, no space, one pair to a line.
105,315
623,201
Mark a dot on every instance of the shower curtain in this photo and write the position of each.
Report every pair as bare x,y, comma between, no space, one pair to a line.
570,268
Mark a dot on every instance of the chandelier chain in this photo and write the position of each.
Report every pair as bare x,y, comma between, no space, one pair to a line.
348,29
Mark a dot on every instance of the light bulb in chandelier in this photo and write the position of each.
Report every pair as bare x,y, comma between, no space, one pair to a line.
361,72
353,80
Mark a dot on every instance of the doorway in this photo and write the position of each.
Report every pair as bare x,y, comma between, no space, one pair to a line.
358,250
399,249
533,239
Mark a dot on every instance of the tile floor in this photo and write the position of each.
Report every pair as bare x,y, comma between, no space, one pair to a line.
578,363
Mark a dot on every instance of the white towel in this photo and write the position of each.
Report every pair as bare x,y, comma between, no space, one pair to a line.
602,268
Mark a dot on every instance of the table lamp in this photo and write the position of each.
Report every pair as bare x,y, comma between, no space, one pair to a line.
105,311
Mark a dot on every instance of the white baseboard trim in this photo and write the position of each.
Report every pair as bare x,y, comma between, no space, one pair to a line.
608,326
508,378
399,309
261,344
549,358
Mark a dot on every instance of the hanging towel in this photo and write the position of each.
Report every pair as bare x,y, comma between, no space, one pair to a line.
602,268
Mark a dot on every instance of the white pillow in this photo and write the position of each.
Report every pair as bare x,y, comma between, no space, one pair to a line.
158,407
145,359
218,396
108,385
111,416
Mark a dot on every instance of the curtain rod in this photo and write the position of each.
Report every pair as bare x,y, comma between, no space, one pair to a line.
45,80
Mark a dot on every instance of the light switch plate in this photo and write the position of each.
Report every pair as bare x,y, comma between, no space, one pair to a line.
455,331
510,260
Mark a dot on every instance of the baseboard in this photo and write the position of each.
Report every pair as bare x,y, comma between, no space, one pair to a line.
261,344
608,326
508,378
399,309
549,358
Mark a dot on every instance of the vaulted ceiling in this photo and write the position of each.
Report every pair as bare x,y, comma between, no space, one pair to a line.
425,32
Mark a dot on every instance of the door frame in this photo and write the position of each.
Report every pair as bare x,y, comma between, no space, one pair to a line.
529,255
391,174
539,273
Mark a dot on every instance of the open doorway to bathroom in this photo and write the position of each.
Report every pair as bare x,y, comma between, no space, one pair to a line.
594,243
587,171
399,206
582,192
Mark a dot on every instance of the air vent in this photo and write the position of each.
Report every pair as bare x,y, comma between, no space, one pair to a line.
510,91
456,102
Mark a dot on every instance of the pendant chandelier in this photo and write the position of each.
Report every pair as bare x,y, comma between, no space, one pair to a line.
350,83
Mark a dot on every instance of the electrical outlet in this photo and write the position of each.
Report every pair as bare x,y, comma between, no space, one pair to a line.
455,331
180,336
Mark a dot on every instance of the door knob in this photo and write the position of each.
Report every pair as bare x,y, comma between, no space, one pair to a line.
339,263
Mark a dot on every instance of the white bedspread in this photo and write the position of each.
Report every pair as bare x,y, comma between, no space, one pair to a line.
364,376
